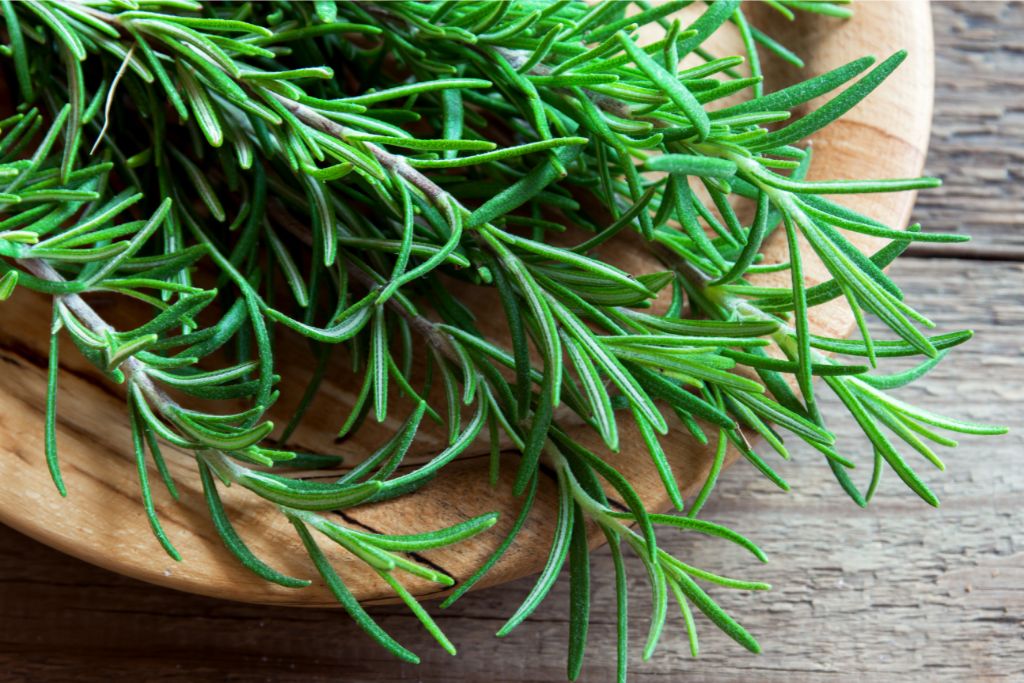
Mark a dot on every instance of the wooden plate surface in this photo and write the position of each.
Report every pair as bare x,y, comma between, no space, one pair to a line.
102,521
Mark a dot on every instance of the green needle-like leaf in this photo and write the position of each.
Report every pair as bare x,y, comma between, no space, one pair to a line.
232,540
556,558
345,597
676,91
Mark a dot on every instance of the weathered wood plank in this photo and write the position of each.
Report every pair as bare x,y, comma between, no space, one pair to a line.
979,124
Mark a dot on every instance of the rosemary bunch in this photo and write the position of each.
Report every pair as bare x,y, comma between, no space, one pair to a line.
344,172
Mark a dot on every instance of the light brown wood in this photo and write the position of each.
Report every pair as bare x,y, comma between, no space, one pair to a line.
102,521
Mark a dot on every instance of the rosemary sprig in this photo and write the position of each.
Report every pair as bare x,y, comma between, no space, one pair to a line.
343,171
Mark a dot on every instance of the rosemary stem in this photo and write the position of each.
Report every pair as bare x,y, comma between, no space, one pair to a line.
133,369
392,162
517,58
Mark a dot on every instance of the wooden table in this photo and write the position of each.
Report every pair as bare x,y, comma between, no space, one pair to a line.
896,592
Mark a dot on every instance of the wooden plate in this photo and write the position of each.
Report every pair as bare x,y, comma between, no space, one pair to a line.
101,521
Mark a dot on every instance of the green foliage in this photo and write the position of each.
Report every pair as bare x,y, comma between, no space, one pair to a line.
344,171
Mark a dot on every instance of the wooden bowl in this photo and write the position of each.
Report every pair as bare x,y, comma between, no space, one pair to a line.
102,521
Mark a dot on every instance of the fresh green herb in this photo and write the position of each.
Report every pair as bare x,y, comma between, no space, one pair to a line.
342,171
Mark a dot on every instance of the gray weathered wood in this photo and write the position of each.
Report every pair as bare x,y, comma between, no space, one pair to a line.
979,124
899,592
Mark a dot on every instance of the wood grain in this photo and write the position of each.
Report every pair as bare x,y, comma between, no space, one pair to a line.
102,522
975,144
900,592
